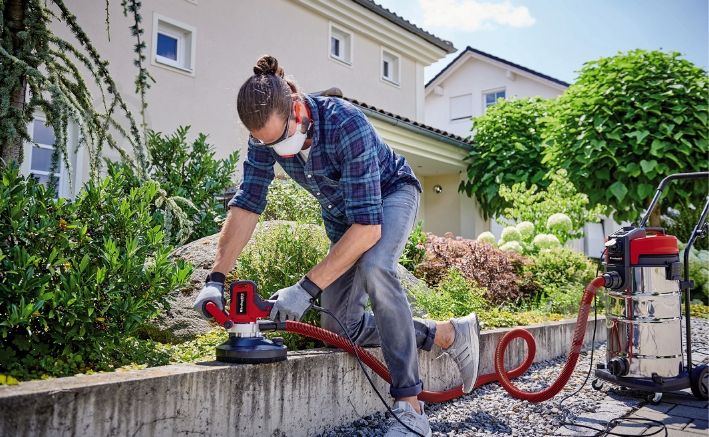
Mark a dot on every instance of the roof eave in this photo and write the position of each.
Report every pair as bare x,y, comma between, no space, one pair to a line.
444,45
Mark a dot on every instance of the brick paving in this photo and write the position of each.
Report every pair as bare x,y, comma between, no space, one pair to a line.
680,412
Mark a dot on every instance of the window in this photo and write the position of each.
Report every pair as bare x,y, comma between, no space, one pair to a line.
340,45
462,107
390,66
41,157
174,45
490,98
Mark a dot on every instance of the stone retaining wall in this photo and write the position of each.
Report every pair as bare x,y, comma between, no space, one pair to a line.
310,392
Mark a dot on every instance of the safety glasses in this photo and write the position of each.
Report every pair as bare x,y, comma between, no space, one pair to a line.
258,143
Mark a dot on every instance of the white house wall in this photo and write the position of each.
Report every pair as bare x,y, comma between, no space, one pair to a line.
476,76
230,36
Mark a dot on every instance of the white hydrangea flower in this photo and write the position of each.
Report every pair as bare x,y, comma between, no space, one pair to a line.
546,241
487,237
512,245
526,229
510,233
559,222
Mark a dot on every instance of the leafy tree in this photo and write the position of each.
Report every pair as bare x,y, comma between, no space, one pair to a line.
628,122
33,57
507,150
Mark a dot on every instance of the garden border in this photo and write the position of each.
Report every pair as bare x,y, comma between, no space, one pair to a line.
310,392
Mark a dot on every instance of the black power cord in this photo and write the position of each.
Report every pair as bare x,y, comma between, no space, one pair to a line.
613,422
359,360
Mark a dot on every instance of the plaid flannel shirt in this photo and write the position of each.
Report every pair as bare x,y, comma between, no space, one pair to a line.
349,169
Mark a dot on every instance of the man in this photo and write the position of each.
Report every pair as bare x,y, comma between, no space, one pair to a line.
370,199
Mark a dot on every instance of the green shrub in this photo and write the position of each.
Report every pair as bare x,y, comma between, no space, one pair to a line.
77,278
560,197
681,221
563,273
562,266
500,273
289,201
414,251
189,172
277,258
698,271
564,299
453,296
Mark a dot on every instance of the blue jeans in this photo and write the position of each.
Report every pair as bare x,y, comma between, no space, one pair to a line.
390,324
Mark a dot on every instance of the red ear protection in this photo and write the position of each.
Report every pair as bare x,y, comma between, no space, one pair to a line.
297,112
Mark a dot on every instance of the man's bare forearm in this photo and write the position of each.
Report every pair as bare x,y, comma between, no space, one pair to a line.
343,255
236,232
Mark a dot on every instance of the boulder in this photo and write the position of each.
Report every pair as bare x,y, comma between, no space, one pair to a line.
182,323
410,282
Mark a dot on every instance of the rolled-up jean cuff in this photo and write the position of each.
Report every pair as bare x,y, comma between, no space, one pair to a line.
398,393
428,342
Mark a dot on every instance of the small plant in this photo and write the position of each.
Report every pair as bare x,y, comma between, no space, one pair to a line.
414,251
563,273
681,221
289,201
698,269
453,296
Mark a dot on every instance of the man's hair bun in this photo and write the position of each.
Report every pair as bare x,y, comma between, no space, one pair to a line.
268,65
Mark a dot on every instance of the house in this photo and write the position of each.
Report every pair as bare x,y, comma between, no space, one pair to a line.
475,80
462,90
200,52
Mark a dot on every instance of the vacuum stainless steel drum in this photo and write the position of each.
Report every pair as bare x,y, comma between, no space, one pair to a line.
644,326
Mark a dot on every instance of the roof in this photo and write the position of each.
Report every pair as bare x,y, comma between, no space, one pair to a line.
420,128
463,143
495,58
447,46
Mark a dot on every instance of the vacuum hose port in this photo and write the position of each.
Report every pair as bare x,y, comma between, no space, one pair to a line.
618,366
613,279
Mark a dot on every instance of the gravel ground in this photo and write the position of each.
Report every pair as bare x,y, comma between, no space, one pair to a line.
491,411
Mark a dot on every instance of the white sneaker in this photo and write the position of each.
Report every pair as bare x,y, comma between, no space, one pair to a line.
465,349
406,413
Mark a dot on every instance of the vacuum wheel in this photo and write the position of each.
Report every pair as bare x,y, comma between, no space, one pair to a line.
700,381
655,398
597,384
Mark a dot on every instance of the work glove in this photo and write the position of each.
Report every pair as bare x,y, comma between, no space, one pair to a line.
213,291
291,303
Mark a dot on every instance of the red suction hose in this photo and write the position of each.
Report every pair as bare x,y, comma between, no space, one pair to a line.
500,374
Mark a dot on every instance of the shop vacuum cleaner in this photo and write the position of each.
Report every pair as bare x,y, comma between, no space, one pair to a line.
643,276
644,309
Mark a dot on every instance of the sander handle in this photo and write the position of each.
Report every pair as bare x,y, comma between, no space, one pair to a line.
246,305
